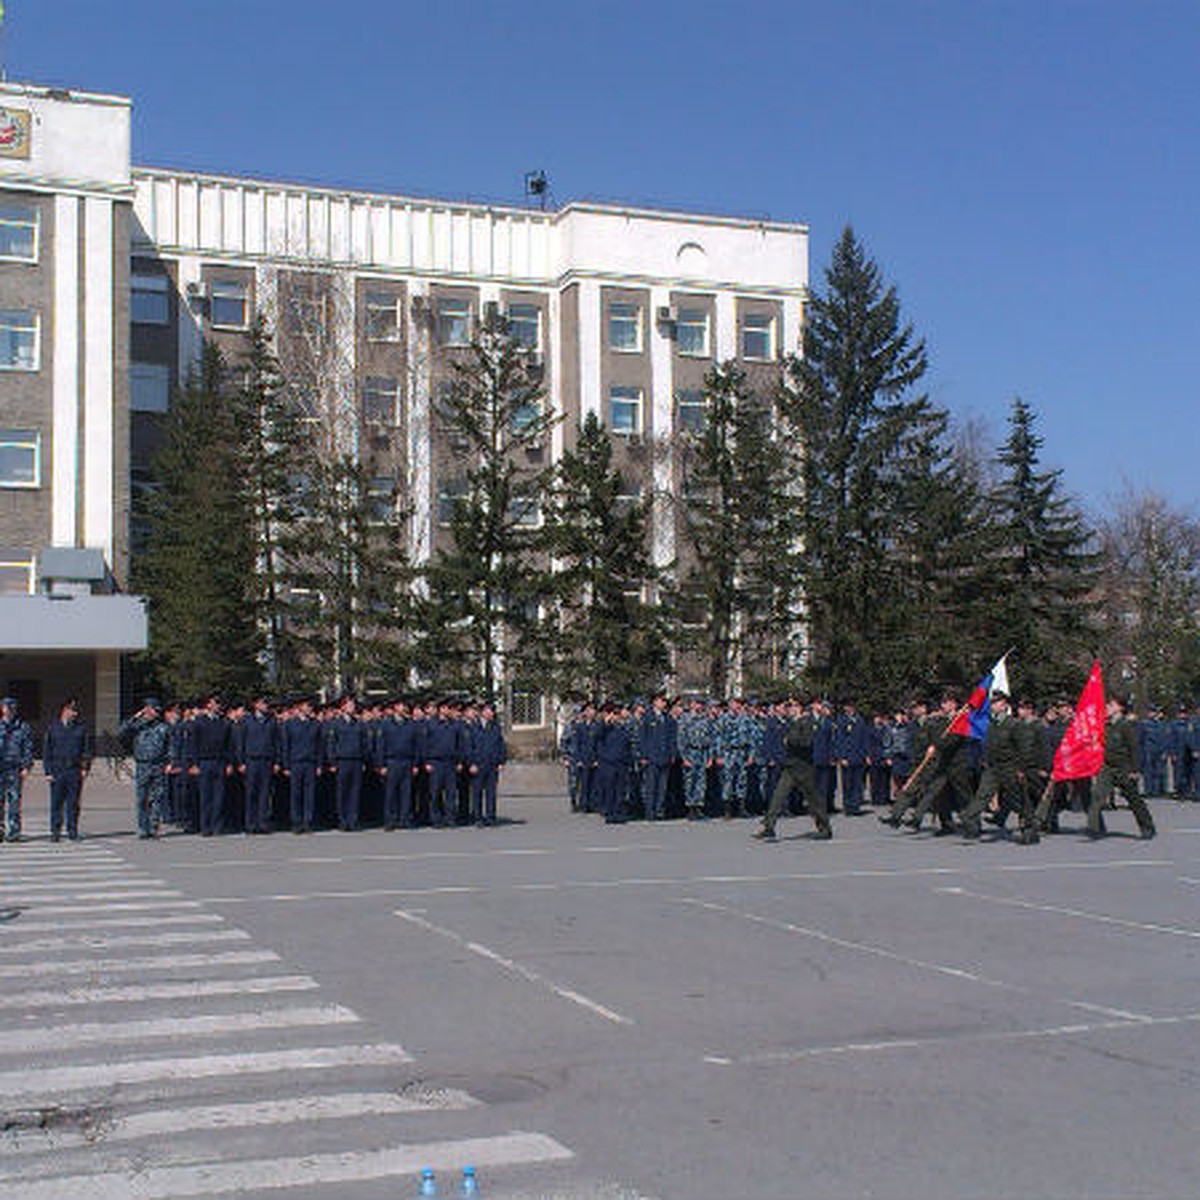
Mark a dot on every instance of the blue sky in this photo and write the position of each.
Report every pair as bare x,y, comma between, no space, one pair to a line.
1027,173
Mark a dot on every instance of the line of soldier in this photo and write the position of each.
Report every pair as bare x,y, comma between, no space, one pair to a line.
700,756
196,765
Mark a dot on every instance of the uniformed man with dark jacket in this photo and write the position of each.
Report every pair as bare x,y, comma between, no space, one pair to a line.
16,758
1119,774
256,753
300,759
486,754
657,748
346,754
401,750
66,758
444,747
210,763
1003,775
797,775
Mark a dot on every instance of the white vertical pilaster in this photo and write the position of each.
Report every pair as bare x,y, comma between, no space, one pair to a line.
552,351
65,466
190,334
419,426
590,399
726,339
98,363
662,536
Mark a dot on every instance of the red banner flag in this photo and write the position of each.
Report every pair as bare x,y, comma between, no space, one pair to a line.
1081,752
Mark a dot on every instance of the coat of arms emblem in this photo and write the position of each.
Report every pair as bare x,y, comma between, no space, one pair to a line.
14,133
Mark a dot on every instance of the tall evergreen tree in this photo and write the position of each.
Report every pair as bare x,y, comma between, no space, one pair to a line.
272,442
482,616
740,572
851,398
199,563
612,641
1043,595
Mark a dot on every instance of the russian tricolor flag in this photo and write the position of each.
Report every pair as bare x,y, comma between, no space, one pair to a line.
972,719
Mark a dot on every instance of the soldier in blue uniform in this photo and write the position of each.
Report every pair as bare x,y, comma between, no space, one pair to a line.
182,804
401,751
210,763
149,739
256,754
694,739
486,755
879,770
771,749
849,752
614,758
66,758
1191,750
16,759
657,749
443,761
346,754
300,757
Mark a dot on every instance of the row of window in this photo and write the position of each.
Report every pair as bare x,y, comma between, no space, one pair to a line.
229,308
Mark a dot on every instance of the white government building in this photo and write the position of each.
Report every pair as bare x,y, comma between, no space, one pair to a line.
111,277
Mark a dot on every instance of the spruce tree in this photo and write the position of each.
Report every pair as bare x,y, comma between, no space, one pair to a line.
612,640
851,397
738,581
199,564
482,615
1043,596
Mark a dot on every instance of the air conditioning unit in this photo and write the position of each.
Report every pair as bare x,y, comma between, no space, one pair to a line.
667,315
197,290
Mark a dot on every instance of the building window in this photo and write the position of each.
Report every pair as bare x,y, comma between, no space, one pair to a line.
229,304
625,411
148,303
690,410
454,322
451,494
381,401
18,339
627,499
525,325
524,417
149,387
691,332
20,458
525,511
624,327
16,573
528,708
382,317
758,336
18,233
381,498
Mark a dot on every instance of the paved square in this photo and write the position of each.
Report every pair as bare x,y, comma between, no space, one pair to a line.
582,1010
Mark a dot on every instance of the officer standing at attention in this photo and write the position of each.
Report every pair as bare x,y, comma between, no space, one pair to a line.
257,757
657,747
210,763
737,740
149,739
694,739
66,757
443,760
346,752
16,758
850,753
401,750
486,756
300,754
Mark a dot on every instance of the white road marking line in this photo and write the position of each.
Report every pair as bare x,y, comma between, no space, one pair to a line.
163,962
72,1037
102,941
259,985
516,968
118,886
768,1057
214,1178
904,960
51,1081
1080,914
65,910
393,893
155,922
293,1110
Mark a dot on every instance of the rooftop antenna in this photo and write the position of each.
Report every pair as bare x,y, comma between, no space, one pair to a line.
535,181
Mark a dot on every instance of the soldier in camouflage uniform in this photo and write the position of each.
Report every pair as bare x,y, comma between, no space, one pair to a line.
149,739
797,775
1004,775
694,736
737,741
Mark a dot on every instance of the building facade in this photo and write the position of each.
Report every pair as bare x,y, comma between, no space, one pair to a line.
622,309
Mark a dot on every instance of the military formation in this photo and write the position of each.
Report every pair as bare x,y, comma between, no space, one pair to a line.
304,765
700,758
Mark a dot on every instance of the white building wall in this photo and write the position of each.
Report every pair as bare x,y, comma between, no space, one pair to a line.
98,370
65,364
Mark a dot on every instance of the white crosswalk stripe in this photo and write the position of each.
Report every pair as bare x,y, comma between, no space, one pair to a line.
116,1106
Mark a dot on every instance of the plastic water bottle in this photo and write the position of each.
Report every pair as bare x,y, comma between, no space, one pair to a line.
469,1185
428,1185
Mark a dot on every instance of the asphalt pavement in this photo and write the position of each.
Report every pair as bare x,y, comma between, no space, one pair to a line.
598,1012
